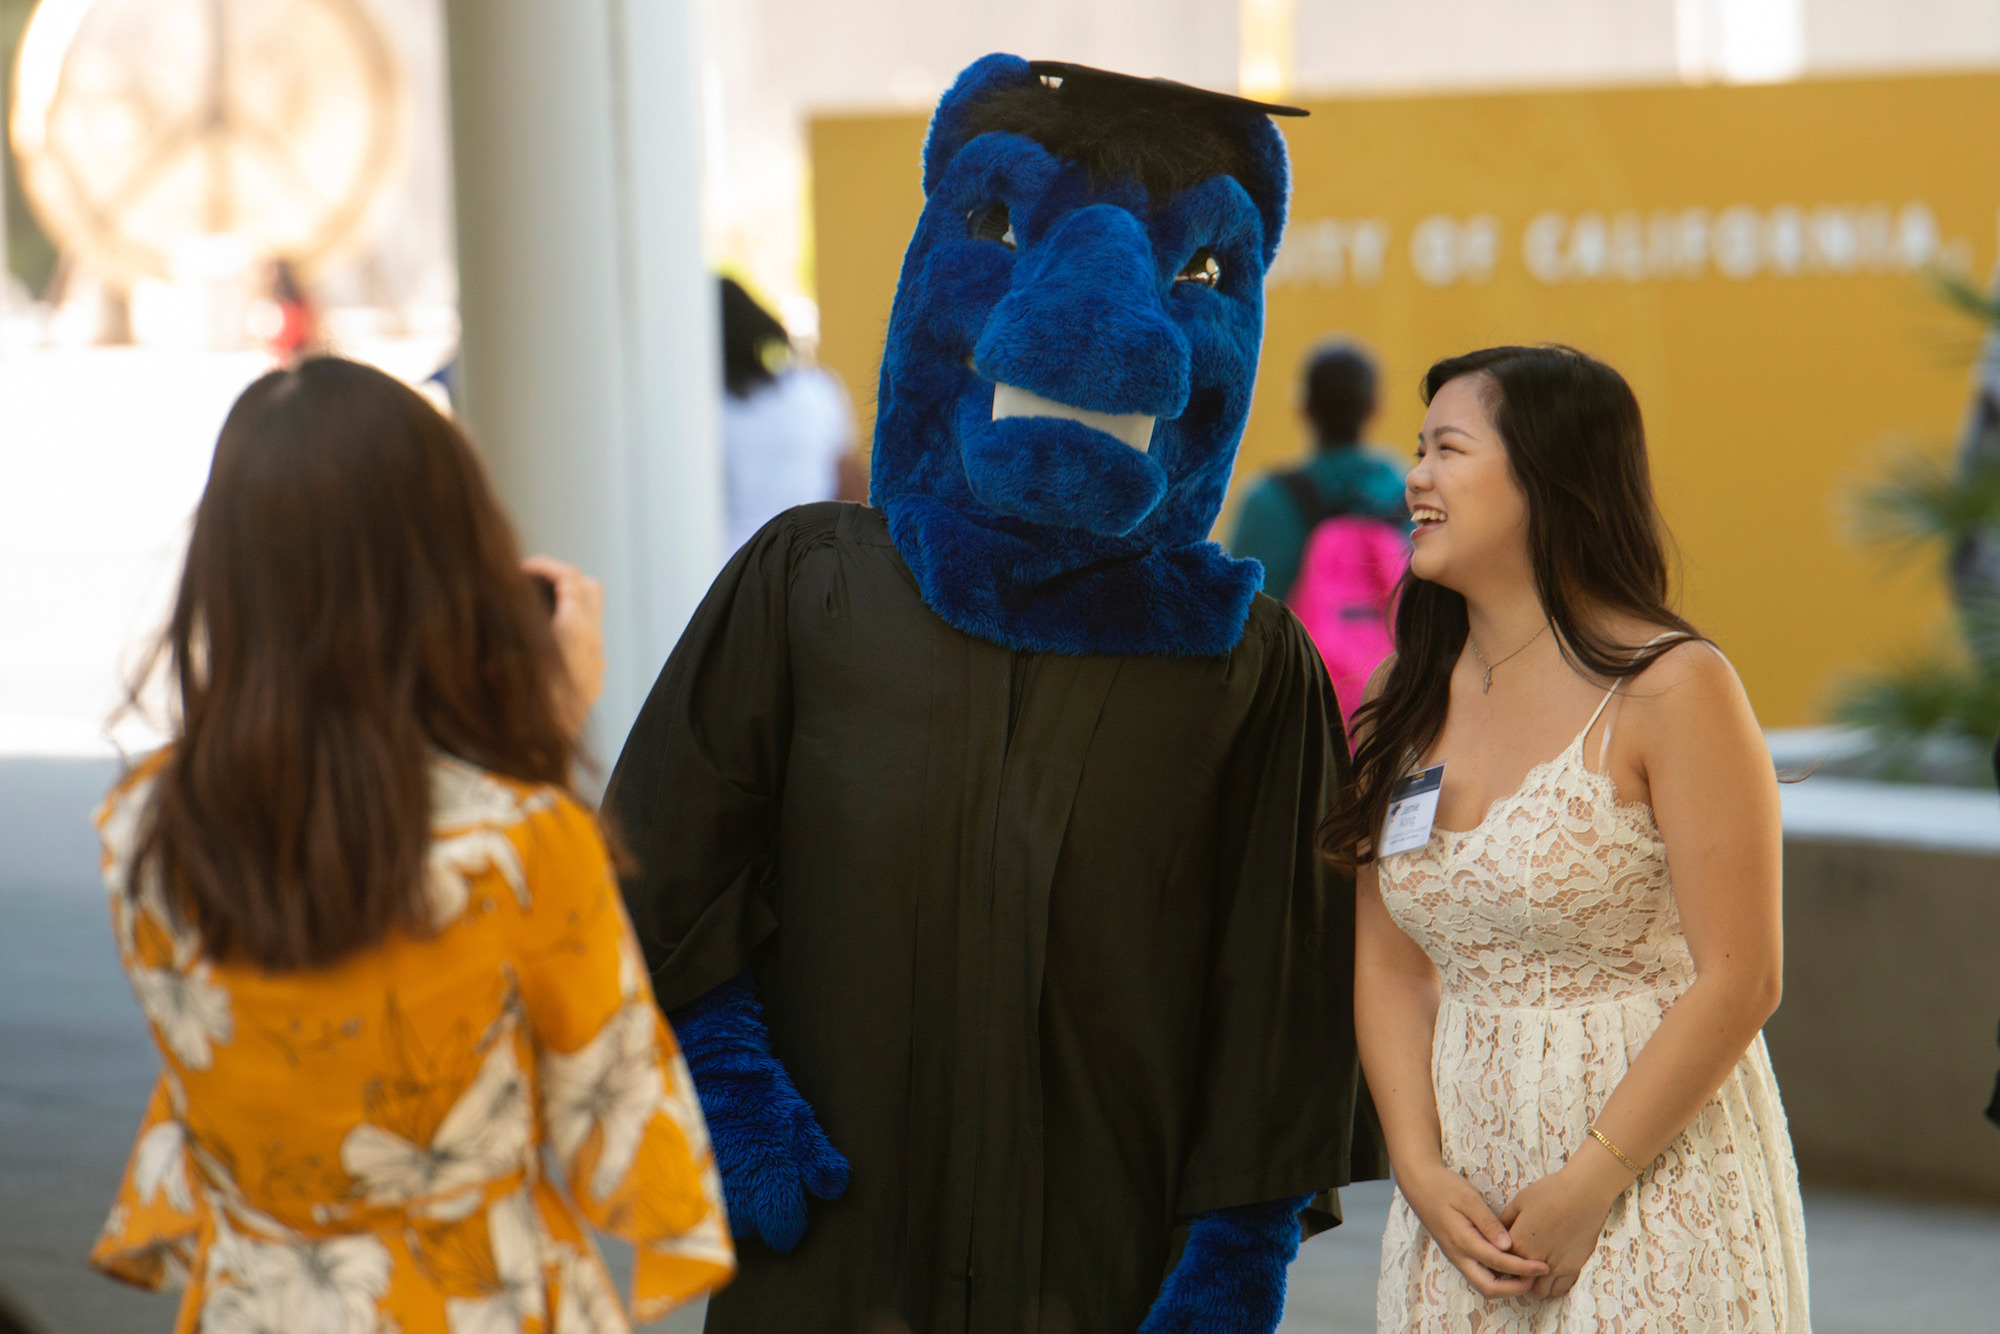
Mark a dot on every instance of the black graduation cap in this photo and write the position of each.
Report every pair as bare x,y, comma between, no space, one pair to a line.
1185,93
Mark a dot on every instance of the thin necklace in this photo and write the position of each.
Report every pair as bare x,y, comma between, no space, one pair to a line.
1486,684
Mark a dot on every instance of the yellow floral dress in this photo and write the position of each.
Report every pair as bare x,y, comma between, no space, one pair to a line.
359,1149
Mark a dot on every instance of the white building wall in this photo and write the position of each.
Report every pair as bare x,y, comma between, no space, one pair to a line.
1369,45
905,52
1865,36
771,64
1345,46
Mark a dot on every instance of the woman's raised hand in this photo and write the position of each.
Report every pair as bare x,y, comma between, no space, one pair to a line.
1470,1236
578,624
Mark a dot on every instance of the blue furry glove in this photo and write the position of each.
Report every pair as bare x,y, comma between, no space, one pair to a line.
768,1145
1231,1275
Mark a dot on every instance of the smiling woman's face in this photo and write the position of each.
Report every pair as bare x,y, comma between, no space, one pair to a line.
1471,513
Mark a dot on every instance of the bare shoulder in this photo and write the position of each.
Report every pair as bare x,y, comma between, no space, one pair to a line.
1692,668
1689,690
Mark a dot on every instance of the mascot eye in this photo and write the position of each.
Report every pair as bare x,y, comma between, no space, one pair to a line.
1204,268
990,223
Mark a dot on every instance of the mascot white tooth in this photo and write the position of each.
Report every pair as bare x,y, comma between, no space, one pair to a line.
976,832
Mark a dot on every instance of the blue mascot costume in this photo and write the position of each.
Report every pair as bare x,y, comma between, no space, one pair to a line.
975,833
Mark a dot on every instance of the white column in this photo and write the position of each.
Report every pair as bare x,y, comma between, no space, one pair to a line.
6,265
590,371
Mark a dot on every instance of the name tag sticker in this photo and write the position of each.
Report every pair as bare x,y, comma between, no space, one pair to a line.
1413,806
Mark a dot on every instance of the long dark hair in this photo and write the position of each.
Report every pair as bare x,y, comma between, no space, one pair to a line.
352,603
1577,445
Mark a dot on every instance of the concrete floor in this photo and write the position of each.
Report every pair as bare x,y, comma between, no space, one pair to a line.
76,1064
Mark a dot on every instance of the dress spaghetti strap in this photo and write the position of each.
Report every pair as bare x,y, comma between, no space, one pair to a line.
1604,745
1599,714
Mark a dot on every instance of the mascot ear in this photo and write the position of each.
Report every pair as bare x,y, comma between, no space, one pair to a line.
948,131
1268,177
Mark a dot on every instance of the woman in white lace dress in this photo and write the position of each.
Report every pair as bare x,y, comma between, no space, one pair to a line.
1562,1035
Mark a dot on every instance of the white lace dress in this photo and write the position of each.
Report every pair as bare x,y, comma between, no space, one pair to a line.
1556,936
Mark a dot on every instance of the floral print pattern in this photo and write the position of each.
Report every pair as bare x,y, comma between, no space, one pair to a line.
300,1287
355,1150
483,1136
471,811
602,1088
159,1167
187,1009
514,1292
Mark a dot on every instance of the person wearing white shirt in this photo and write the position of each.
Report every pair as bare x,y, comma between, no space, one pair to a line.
785,426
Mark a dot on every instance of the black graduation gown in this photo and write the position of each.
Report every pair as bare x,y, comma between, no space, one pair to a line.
1041,938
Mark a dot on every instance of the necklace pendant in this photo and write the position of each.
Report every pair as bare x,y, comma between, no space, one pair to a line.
1486,684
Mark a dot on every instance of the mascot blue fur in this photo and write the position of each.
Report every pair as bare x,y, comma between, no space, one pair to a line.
1127,293
1068,370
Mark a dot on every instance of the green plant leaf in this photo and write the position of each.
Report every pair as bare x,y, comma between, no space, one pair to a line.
1922,501
1931,699
1960,292
1979,622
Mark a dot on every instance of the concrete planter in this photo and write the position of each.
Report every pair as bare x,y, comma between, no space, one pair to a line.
1885,1043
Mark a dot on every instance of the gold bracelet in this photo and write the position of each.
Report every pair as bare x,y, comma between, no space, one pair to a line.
1616,1152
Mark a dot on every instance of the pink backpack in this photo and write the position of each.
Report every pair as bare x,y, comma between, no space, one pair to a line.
1347,579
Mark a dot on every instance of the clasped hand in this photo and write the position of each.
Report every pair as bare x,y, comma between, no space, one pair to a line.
1559,1218
1535,1247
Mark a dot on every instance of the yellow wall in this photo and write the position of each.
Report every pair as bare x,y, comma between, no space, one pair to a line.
1775,363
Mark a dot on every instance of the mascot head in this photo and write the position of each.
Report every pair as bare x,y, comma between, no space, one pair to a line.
1071,354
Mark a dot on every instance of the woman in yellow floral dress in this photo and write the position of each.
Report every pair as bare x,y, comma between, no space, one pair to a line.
378,941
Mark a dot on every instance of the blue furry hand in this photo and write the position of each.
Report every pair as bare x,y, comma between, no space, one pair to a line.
1231,1275
768,1145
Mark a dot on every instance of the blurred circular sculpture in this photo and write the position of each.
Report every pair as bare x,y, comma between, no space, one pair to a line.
156,137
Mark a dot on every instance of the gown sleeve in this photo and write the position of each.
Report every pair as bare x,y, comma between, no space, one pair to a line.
153,1234
695,793
617,1105
1281,1109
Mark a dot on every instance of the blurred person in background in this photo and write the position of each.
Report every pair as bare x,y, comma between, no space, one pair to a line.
1561,981
1343,476
787,429
294,323
374,932
1333,535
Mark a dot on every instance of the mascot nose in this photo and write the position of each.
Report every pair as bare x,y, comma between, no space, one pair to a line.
1084,321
